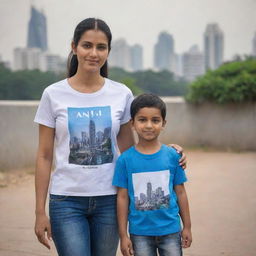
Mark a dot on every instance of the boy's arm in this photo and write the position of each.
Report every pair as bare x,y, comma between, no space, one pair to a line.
184,214
122,217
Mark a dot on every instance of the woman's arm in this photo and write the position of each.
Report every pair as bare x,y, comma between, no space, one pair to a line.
42,178
184,214
122,215
125,137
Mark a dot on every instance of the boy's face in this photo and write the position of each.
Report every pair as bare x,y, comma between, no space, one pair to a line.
148,123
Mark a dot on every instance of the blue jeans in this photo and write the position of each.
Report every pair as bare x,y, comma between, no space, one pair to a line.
168,245
84,226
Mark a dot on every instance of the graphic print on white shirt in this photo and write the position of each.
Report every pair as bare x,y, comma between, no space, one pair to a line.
151,190
90,135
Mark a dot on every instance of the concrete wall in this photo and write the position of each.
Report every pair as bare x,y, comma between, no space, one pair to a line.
230,126
211,125
18,134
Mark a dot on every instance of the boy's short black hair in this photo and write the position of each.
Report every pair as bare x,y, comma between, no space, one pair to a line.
147,100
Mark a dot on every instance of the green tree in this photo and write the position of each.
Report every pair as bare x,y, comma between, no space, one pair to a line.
29,84
161,83
26,84
118,74
130,83
232,82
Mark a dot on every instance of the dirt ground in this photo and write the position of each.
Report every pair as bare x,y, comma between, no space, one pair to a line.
221,191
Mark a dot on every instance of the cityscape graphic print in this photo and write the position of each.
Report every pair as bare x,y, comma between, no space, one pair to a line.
151,190
90,135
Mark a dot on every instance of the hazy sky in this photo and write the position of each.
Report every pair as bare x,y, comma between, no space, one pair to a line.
138,21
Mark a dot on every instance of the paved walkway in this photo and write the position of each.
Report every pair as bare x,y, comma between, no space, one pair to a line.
222,200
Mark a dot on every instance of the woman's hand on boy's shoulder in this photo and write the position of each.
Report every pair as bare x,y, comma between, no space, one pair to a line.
183,159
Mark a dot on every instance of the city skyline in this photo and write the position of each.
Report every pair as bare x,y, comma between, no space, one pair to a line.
151,190
152,200
126,56
185,21
90,135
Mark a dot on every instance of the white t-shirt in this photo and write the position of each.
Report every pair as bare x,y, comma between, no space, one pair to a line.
86,126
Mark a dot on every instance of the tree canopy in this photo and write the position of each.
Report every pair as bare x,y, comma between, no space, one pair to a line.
24,85
29,84
231,83
161,83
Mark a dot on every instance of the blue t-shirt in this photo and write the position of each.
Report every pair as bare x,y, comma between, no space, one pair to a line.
153,208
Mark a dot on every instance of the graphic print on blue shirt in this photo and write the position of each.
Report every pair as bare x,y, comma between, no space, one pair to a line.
151,190
90,135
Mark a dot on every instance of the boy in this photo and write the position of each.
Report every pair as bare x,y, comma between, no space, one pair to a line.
150,182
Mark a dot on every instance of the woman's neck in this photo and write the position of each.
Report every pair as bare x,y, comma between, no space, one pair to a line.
86,83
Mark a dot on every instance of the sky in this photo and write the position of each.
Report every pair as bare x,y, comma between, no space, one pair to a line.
138,21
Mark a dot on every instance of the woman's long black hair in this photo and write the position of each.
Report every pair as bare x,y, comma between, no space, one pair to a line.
83,26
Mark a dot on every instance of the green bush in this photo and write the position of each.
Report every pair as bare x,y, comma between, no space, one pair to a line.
231,83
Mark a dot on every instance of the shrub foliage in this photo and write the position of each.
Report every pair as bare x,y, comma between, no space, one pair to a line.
232,82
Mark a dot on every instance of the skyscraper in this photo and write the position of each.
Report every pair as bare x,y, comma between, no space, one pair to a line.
120,55
164,57
254,45
92,133
193,63
127,57
136,57
149,191
37,30
213,46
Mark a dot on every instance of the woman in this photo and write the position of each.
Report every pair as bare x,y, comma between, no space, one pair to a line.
85,118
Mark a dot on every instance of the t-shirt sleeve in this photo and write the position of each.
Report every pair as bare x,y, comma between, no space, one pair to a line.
126,114
44,114
179,175
120,178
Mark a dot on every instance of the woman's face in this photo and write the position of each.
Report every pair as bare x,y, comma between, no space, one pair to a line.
92,50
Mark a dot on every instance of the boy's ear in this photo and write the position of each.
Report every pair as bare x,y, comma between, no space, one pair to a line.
131,123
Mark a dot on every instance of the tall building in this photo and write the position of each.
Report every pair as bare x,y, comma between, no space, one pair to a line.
85,139
37,30
35,58
149,190
120,55
52,62
193,63
92,133
27,58
178,65
136,52
213,46
35,55
127,57
254,45
20,59
164,56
